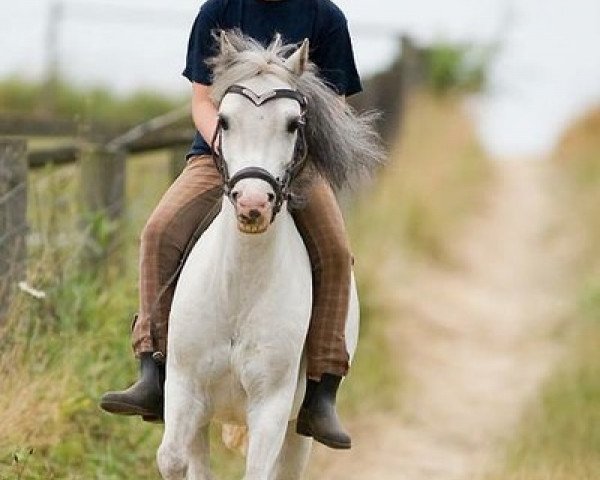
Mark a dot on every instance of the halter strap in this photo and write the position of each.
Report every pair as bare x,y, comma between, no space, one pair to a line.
260,174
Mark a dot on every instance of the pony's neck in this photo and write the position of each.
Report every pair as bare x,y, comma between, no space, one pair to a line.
257,251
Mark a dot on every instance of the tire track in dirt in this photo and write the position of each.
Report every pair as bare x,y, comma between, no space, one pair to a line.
475,339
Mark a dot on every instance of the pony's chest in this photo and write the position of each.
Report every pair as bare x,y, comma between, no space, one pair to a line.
235,367
236,325
250,344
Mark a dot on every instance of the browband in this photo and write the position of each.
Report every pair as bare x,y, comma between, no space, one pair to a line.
259,100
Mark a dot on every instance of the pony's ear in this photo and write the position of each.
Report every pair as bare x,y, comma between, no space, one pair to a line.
298,61
225,45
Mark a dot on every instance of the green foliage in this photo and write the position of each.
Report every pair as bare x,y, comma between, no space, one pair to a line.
590,301
452,68
62,370
17,95
65,100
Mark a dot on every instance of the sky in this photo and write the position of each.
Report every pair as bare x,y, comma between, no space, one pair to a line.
545,74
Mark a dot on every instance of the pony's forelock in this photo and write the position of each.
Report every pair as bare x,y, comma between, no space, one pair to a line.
342,145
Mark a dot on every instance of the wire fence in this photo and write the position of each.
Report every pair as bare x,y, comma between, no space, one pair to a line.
63,219
13,207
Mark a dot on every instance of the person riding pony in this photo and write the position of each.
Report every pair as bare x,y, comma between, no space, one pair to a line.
191,200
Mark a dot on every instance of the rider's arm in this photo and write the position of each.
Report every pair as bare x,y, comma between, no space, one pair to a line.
201,47
204,111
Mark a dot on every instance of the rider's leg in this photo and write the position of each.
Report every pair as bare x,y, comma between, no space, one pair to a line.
164,238
321,225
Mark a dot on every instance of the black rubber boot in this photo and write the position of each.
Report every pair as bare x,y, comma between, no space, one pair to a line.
318,417
145,397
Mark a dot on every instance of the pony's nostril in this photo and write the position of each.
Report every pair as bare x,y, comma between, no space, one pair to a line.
254,214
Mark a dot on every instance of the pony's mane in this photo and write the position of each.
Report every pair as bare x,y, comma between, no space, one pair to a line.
342,144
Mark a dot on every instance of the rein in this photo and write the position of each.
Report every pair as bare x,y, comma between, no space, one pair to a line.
281,186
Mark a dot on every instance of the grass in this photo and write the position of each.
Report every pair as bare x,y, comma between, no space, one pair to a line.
434,182
559,438
62,351
60,354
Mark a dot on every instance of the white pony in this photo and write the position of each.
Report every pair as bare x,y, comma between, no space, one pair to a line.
242,306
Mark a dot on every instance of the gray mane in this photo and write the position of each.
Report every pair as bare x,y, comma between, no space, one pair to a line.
342,144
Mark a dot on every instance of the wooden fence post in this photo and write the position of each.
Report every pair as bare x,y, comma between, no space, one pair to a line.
13,218
103,188
414,68
178,160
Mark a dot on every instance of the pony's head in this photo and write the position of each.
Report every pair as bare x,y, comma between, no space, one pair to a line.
260,138
274,113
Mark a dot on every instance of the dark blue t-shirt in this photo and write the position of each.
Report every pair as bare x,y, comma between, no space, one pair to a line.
321,21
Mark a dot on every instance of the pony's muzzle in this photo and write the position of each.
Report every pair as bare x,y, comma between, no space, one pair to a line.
253,208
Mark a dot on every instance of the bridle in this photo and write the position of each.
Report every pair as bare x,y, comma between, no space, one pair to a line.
281,186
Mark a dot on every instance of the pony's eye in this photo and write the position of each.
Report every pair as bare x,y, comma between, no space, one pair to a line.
293,125
224,122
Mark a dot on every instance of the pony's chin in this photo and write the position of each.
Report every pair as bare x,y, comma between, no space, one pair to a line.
252,229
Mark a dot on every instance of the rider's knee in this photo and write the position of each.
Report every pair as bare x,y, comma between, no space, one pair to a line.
152,231
339,256
157,235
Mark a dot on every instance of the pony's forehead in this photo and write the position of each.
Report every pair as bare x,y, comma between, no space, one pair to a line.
237,105
260,85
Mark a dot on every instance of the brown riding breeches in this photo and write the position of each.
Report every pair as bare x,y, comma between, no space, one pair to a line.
171,226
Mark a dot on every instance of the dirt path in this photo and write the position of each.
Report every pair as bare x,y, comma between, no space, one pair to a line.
476,343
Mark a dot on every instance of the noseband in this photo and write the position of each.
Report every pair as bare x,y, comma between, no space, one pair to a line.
281,186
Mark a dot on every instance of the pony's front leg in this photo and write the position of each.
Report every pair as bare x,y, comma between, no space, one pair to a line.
293,456
199,465
184,451
267,424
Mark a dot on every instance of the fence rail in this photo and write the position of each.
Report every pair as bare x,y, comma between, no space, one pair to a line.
72,153
102,177
28,125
